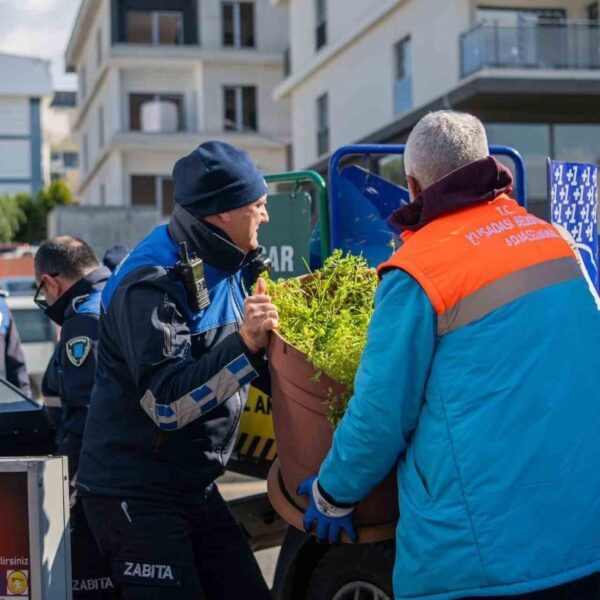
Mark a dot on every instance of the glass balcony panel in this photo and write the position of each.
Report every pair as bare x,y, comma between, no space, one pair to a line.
563,45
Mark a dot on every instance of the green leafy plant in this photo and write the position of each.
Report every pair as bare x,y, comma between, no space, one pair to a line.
36,207
326,316
11,217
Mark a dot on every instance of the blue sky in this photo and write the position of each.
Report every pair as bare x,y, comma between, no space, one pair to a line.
39,28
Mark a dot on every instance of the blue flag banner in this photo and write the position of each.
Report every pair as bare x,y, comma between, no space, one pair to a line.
573,190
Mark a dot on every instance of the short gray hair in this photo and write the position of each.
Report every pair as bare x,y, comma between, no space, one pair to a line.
441,142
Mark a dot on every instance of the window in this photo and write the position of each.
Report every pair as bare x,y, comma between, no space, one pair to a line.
33,325
529,38
102,194
101,127
153,190
82,83
322,124
579,142
533,142
320,23
68,99
240,108
154,27
70,160
84,152
592,11
403,79
238,24
99,47
163,112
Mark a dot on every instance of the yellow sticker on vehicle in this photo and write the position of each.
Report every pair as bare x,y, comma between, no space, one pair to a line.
257,436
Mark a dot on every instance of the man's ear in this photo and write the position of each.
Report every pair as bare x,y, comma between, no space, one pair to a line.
414,187
52,285
225,217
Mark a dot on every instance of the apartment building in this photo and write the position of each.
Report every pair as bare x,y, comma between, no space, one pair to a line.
159,77
367,70
25,87
58,120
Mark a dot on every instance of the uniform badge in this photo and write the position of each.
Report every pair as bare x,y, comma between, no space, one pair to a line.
78,349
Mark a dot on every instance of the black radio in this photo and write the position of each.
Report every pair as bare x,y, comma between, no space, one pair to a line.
191,273
259,265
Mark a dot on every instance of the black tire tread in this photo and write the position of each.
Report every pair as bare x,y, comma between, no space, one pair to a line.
338,566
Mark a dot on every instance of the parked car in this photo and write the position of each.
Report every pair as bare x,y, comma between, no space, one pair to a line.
22,285
38,337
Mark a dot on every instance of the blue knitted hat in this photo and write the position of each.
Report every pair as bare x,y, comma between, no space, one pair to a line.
216,177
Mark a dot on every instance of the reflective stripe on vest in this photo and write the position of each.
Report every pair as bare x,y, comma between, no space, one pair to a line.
473,261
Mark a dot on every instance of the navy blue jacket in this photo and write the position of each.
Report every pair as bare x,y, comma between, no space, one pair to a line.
12,361
74,362
51,390
171,383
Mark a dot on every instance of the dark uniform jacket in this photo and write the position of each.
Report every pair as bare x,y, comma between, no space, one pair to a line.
12,361
171,383
74,362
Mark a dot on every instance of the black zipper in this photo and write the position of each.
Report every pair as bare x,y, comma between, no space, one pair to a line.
239,312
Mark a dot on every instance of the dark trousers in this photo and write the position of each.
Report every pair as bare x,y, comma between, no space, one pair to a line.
587,588
90,571
175,551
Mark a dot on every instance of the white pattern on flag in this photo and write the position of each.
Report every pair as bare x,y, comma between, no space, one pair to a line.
573,191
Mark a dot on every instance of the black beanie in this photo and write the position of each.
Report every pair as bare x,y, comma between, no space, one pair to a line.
215,178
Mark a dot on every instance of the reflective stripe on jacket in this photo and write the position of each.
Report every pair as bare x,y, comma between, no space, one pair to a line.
509,254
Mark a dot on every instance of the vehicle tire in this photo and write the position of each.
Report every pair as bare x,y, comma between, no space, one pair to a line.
353,572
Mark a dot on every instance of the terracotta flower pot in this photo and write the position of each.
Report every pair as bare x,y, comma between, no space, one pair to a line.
304,437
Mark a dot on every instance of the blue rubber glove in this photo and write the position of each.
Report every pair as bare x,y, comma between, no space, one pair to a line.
331,519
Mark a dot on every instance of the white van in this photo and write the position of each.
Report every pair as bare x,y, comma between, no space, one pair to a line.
38,337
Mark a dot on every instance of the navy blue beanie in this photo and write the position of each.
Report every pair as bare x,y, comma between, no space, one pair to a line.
114,255
216,177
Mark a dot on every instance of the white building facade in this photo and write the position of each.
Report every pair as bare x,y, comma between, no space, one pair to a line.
58,119
25,88
157,78
367,70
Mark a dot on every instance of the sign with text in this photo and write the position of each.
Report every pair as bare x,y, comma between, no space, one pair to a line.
287,235
573,191
14,536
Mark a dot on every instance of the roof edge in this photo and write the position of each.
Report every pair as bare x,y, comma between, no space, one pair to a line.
85,15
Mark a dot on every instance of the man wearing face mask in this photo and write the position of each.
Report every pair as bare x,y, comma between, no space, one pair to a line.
180,341
70,280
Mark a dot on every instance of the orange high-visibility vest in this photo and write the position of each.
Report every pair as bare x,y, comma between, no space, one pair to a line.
477,259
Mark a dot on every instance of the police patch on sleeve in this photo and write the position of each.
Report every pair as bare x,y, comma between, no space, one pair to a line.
78,349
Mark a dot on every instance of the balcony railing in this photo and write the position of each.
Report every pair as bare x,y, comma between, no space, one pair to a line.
564,45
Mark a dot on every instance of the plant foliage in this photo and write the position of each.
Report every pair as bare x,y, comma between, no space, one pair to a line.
36,208
326,316
11,217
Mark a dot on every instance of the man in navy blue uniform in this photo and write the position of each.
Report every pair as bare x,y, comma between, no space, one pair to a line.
180,340
70,281
12,360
